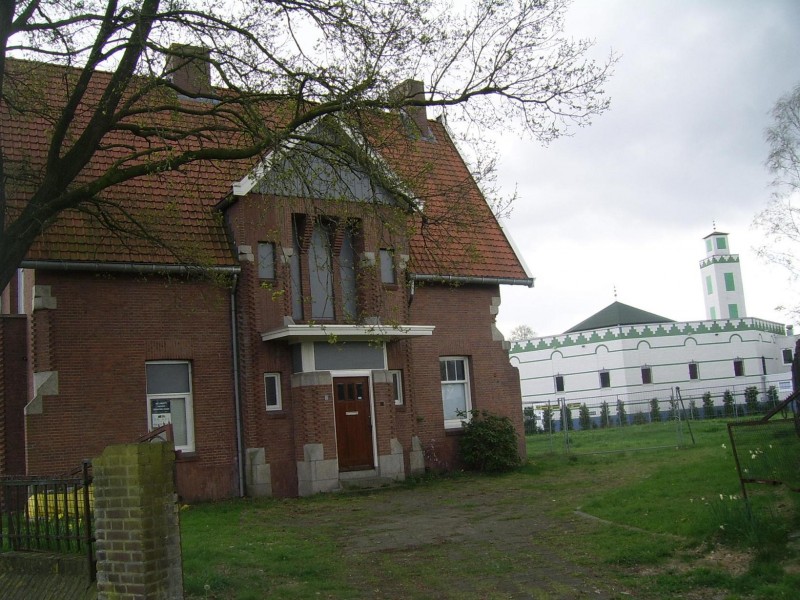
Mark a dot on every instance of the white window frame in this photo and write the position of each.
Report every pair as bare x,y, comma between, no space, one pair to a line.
187,398
387,268
464,383
397,387
277,378
266,261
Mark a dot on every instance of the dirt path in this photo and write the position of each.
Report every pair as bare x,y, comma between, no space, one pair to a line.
505,551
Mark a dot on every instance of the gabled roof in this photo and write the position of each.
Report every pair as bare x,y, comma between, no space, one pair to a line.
616,314
183,206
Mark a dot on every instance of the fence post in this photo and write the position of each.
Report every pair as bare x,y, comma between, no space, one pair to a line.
87,518
136,523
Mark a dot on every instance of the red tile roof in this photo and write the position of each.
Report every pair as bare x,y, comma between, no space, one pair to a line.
458,236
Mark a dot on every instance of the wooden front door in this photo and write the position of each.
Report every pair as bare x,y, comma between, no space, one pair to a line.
353,423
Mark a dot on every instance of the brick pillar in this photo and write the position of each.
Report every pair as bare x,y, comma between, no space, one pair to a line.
136,523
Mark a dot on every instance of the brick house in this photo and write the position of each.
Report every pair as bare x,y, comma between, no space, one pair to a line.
301,329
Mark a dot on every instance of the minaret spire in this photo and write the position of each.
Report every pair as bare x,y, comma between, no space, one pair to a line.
722,279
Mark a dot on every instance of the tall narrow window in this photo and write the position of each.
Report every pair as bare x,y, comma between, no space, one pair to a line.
709,285
387,266
647,375
738,367
559,383
605,379
272,391
694,372
733,311
347,270
456,399
295,268
320,271
787,356
169,400
730,286
266,260
397,387
713,312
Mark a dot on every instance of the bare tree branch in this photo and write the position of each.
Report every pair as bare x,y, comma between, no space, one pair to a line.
114,111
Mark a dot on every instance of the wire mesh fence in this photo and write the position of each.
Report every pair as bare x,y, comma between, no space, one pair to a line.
668,413
767,450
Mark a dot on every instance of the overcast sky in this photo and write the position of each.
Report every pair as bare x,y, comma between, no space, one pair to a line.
626,202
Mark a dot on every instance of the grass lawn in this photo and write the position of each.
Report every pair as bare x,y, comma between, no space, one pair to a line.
650,524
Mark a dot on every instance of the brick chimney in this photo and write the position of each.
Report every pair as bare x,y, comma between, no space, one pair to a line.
411,89
189,69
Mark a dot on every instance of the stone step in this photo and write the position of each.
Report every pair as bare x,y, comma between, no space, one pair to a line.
365,482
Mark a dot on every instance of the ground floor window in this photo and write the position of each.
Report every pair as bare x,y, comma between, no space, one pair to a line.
272,391
456,398
738,368
397,387
169,400
694,372
605,379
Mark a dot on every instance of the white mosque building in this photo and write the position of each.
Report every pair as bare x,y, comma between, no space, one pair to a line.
626,354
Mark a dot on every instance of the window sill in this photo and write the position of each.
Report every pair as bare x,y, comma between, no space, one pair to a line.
182,456
276,414
454,431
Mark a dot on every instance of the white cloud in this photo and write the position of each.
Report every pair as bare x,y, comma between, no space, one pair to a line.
627,201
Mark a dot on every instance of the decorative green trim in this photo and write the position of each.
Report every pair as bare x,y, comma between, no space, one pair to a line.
629,332
727,258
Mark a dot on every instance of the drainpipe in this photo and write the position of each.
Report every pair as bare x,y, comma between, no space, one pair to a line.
237,401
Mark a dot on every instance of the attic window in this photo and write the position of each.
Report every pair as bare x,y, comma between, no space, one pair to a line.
266,260
387,266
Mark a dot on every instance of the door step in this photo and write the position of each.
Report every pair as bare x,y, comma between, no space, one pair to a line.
363,480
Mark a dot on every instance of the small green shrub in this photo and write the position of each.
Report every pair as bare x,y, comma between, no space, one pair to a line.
772,397
709,412
547,419
489,443
655,411
621,415
605,415
728,403
751,399
584,417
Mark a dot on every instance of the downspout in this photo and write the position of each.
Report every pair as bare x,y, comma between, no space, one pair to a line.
237,401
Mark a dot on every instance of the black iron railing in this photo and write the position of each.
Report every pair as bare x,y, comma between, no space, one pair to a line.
49,514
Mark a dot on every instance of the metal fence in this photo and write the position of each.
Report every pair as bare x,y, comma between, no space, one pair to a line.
655,405
767,450
48,514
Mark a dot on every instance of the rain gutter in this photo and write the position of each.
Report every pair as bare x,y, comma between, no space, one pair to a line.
464,280
113,267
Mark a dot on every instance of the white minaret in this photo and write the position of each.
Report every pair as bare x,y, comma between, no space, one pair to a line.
723,289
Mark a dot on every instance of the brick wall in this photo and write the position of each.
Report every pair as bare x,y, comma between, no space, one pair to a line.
98,338
463,317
